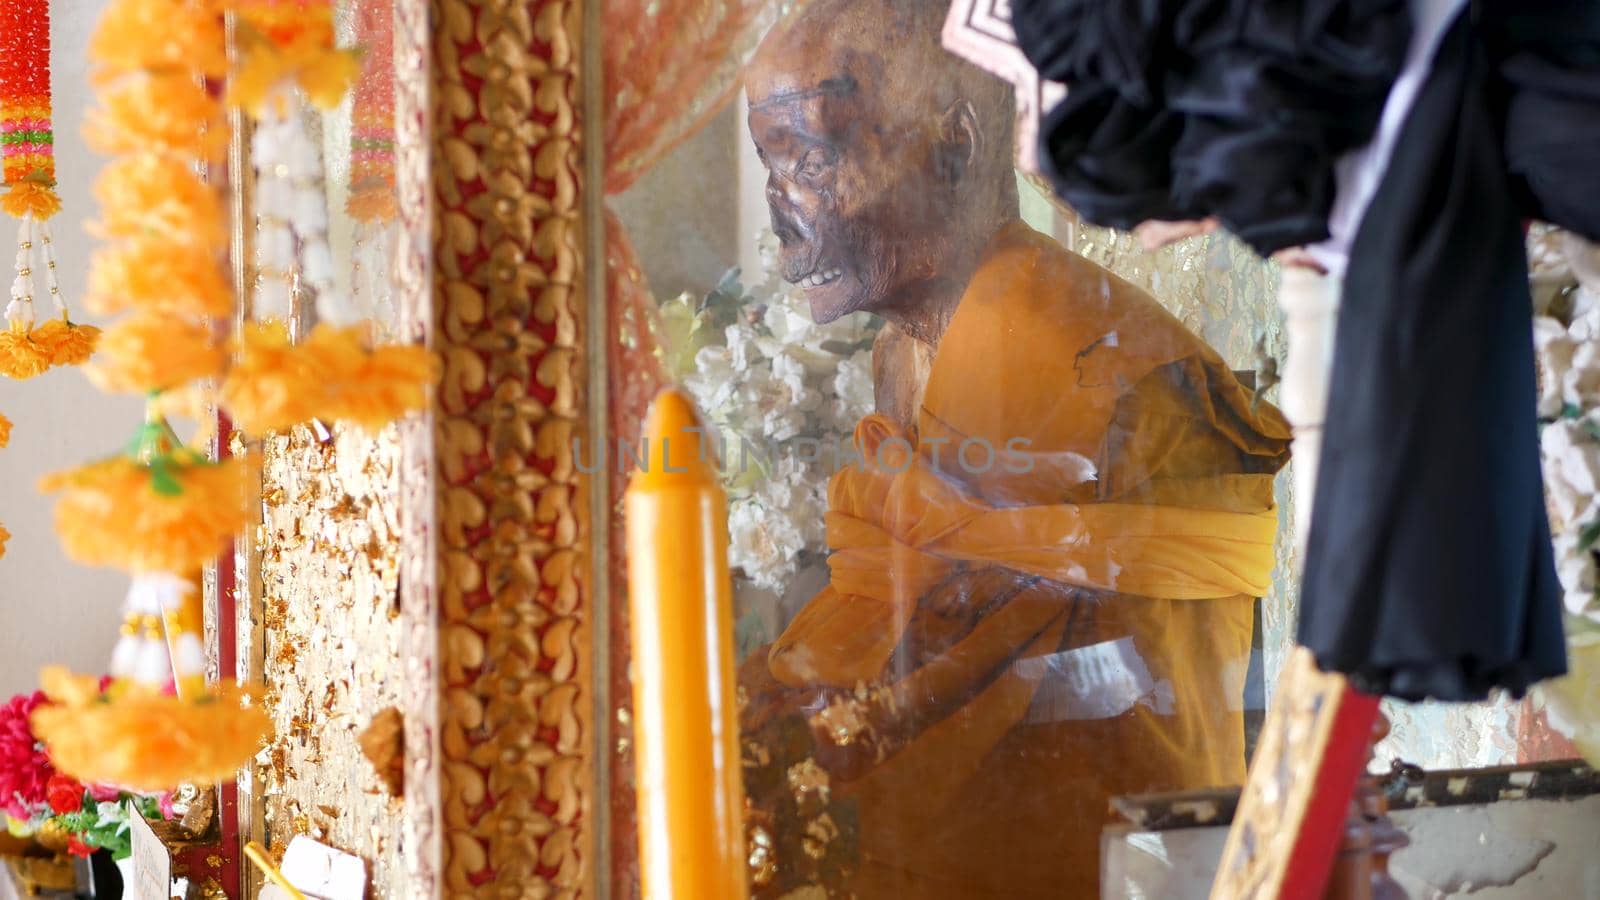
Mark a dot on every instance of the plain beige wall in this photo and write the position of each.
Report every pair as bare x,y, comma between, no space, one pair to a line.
53,610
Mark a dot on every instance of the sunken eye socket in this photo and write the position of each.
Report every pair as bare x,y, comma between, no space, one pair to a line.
813,164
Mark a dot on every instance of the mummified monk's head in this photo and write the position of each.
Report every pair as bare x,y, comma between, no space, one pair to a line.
889,158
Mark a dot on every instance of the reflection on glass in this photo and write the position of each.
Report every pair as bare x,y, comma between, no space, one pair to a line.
1001,517
324,191
330,647
370,200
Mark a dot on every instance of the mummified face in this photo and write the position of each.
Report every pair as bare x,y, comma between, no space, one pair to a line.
867,175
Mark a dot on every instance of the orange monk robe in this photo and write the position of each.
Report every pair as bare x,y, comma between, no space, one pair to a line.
1112,548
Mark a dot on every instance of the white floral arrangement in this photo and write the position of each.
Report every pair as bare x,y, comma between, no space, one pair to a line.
1565,273
784,393
1567,340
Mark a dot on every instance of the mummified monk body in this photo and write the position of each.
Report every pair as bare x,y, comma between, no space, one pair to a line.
1042,582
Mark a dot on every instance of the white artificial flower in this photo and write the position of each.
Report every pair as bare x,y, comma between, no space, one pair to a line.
1580,383
852,385
785,393
1575,566
1554,349
762,545
789,323
790,373
1572,470
744,350
713,381
1585,314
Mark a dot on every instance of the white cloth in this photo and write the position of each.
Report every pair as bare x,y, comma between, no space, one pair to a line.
1359,172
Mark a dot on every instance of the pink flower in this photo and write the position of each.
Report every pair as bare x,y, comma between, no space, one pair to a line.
167,812
25,770
104,793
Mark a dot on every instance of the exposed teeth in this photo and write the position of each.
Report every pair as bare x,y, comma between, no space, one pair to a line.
818,279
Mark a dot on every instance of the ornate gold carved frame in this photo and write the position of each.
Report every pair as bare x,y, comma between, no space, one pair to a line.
519,694
497,597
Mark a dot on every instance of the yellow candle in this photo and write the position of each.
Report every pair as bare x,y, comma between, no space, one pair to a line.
691,837
258,855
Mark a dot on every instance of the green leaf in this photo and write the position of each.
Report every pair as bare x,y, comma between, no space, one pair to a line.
163,480
1589,534
77,822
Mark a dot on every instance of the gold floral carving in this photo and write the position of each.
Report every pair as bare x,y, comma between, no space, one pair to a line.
508,322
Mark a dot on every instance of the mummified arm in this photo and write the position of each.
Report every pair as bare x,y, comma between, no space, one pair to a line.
961,640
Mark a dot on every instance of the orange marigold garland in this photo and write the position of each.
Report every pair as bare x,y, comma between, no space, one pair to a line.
160,36
162,507
26,347
180,279
288,44
140,737
161,510
369,386
272,384
148,353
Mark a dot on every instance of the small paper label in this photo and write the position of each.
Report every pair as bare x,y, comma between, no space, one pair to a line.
152,865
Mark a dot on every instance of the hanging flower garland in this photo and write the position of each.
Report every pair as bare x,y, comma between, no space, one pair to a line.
161,509
159,506
29,347
145,738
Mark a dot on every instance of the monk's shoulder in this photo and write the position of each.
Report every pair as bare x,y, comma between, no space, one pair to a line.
1030,284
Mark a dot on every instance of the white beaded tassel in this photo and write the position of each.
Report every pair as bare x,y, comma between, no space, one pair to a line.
272,297
19,312
52,279
143,653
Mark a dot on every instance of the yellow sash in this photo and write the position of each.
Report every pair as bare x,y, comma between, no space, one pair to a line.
895,535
